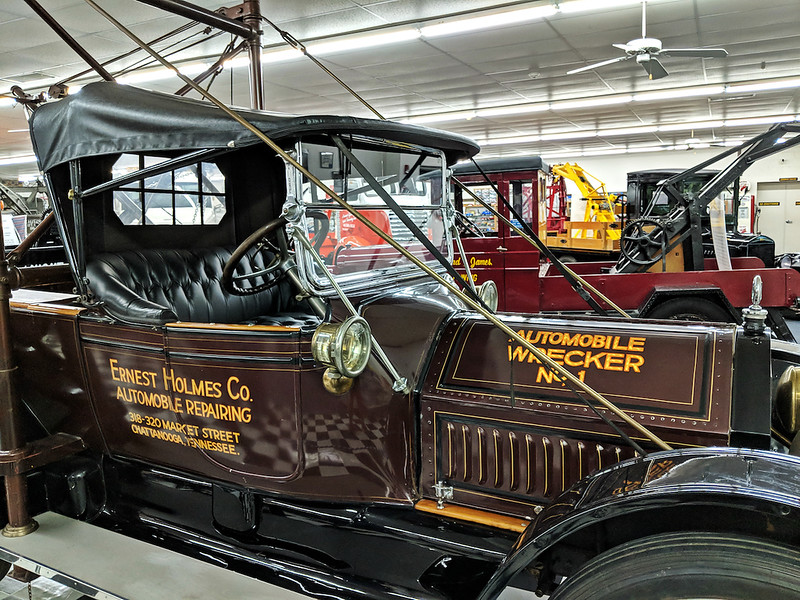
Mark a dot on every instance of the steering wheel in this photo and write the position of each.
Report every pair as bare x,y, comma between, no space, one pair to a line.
271,236
635,239
322,225
467,227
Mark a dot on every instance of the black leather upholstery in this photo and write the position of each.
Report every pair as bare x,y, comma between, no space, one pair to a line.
159,286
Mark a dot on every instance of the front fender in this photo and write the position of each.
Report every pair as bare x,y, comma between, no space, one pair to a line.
704,481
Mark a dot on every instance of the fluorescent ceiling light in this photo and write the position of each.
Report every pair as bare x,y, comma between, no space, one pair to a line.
18,130
162,73
585,5
590,102
521,109
634,130
610,100
366,41
707,90
628,130
7,101
270,57
18,160
764,86
442,118
516,17
760,121
522,139
513,17
691,125
614,151
574,135
340,45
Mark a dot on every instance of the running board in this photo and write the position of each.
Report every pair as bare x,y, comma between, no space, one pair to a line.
109,566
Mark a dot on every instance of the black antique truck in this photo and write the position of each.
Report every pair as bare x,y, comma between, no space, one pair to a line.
350,423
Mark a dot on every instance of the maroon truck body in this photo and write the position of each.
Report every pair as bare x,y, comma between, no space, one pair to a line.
526,283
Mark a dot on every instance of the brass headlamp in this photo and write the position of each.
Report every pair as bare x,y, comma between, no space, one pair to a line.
344,346
787,400
487,292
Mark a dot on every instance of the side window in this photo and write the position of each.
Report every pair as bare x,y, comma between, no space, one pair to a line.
523,201
191,195
476,213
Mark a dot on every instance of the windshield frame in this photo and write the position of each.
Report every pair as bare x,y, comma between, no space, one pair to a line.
379,278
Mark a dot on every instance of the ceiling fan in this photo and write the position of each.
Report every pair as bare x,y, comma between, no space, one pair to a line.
645,50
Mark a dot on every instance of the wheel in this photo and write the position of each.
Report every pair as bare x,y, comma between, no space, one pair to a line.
567,259
636,242
688,566
272,237
690,309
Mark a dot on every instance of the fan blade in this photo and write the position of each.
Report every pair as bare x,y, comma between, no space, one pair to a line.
600,64
624,47
654,68
698,52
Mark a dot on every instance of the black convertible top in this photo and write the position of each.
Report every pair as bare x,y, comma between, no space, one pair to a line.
110,118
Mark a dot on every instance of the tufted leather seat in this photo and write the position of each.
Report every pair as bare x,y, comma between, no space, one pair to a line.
159,286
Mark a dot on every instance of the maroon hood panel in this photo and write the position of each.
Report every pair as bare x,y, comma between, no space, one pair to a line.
513,446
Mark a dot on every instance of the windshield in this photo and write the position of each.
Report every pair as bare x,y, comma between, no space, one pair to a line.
406,176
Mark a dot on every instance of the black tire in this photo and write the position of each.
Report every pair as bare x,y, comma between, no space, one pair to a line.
690,309
688,566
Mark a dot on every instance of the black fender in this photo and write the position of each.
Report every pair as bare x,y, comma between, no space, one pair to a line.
752,492
661,294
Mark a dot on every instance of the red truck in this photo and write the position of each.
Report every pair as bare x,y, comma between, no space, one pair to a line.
527,282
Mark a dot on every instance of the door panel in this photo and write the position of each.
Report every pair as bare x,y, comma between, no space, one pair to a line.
778,206
218,400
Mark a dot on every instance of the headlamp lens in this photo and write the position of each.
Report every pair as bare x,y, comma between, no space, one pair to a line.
344,346
488,293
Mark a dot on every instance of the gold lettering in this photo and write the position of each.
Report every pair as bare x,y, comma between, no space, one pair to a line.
614,361
557,354
598,341
570,362
636,344
633,362
134,376
547,376
590,359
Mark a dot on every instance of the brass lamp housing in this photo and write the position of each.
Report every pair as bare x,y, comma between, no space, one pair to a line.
787,400
344,346
487,292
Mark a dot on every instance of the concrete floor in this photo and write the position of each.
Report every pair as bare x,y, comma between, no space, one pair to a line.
41,589
45,589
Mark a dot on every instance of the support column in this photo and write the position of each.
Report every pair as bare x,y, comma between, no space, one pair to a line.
252,17
19,521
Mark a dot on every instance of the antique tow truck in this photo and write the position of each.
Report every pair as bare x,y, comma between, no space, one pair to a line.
358,426
691,287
